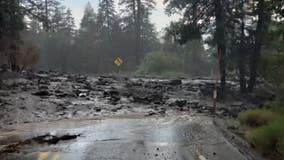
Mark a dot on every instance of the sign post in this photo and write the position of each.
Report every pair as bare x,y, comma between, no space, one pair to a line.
118,62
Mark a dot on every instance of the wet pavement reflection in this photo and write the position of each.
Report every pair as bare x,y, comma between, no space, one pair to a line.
153,138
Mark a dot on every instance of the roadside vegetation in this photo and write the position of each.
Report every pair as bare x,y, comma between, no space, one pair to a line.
264,128
174,60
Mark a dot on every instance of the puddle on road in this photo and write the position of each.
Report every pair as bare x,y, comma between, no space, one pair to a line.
169,138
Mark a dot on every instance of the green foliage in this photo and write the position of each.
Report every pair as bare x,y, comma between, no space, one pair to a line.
197,61
160,63
258,117
276,106
272,63
174,60
11,18
264,129
280,145
269,138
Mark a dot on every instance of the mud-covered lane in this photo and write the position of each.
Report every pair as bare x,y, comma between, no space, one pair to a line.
51,96
168,138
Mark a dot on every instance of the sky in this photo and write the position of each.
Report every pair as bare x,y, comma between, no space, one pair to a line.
158,17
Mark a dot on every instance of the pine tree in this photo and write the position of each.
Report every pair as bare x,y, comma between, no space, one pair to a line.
57,20
49,11
136,13
69,23
87,41
107,17
89,19
11,23
197,18
264,14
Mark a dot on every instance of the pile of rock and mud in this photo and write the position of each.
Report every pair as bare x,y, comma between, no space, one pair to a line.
49,96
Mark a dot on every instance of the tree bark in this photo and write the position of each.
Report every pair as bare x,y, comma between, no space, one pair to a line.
45,23
220,37
139,21
241,58
255,56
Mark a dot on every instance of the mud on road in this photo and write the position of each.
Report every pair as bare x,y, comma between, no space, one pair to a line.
167,138
38,99
51,96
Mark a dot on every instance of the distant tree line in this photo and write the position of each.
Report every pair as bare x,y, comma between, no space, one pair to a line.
242,31
101,37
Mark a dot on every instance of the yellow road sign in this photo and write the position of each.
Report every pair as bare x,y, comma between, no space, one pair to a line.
118,61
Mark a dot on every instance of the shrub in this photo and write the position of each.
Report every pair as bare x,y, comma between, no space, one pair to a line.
269,138
257,117
160,63
276,106
280,145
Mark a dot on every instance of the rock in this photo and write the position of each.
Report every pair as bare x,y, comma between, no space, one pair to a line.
180,103
147,98
155,85
4,93
42,87
114,96
81,92
207,89
43,81
63,95
162,111
151,113
111,93
104,81
97,109
82,95
80,79
42,93
175,82
237,104
194,104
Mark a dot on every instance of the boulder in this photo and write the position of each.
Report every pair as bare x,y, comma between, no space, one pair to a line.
175,82
41,93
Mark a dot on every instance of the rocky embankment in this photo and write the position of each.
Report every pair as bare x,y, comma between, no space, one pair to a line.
49,96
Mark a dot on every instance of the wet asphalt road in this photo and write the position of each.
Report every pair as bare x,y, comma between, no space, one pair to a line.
152,138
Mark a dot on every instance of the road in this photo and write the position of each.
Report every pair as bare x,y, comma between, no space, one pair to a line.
180,137
55,116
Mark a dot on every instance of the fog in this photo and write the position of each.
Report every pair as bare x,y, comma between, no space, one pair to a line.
91,44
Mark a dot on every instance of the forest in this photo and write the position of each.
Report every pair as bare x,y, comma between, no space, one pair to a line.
240,40
248,35
47,33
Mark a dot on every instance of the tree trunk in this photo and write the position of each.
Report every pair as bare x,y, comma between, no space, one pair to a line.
220,37
255,56
136,35
242,79
45,23
241,58
139,20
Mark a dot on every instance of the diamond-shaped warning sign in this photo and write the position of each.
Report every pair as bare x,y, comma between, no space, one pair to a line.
118,61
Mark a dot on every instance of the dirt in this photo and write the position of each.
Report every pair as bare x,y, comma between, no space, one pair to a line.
50,96
44,139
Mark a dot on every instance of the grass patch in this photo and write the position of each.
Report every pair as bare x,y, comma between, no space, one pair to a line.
269,139
264,129
257,117
276,106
